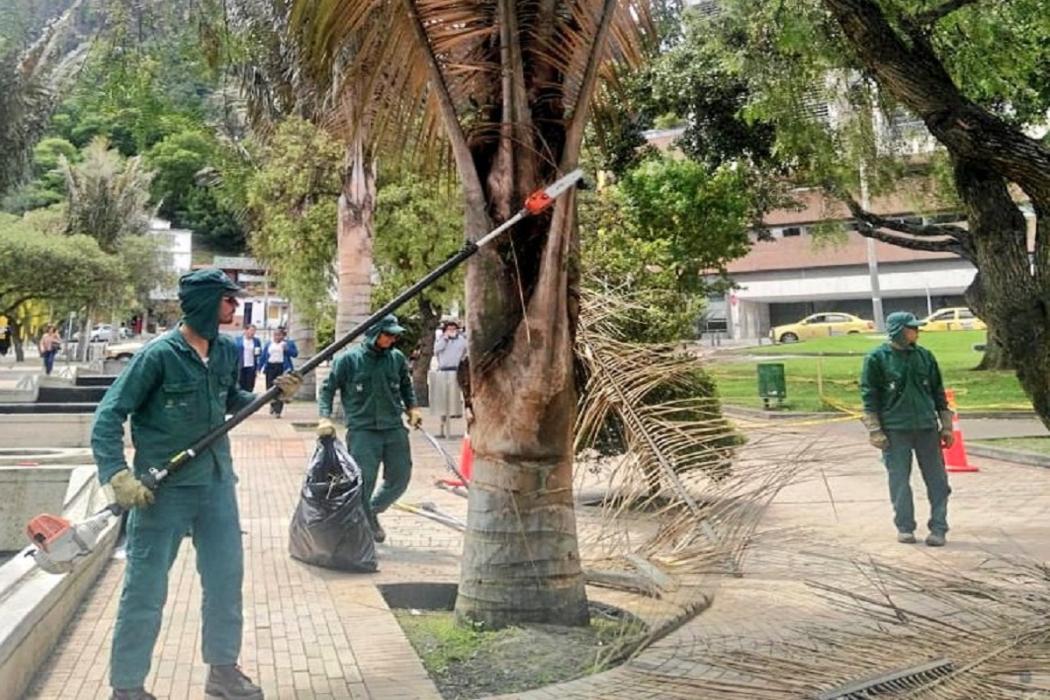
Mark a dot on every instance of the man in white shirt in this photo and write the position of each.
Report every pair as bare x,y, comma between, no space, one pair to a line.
249,349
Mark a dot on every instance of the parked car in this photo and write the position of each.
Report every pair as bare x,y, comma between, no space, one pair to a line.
123,351
821,326
955,318
106,333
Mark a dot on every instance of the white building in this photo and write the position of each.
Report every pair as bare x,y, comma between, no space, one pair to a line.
177,243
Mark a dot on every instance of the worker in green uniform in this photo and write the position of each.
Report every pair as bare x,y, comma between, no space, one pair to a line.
375,387
903,396
176,389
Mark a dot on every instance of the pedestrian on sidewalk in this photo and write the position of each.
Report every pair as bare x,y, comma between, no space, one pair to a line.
176,389
375,387
249,349
903,395
276,360
50,344
446,401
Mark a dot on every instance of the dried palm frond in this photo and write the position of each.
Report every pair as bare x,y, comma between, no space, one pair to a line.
680,494
431,59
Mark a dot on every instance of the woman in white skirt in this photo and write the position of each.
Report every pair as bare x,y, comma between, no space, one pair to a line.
446,401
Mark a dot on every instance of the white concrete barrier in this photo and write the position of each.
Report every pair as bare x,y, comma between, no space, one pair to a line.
38,606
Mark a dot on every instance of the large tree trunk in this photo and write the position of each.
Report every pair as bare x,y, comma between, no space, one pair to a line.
356,215
1012,290
306,340
994,357
430,316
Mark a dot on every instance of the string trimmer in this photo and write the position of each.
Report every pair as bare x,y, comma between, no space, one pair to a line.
57,544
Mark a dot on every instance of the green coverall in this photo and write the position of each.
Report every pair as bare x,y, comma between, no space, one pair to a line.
902,385
375,388
174,398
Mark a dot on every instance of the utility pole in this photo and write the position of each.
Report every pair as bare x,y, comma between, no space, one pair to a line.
873,260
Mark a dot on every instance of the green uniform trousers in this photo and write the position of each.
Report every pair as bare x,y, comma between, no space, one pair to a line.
154,534
369,448
926,444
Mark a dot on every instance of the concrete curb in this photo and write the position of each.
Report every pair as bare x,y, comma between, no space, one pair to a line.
1017,456
38,606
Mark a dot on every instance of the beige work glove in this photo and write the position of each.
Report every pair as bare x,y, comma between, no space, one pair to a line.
876,437
129,491
415,417
947,429
326,427
288,384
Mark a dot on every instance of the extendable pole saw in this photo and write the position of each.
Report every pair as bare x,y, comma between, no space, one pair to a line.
57,544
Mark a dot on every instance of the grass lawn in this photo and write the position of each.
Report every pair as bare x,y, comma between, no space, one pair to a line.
840,373
1039,445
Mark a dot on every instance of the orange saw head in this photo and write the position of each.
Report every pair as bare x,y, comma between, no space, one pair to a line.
60,543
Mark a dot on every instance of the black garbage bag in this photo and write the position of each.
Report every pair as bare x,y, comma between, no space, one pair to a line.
330,526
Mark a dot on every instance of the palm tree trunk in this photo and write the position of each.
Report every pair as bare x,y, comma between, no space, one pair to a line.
521,559
355,226
430,315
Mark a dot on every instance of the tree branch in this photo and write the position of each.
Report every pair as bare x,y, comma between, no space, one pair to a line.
574,134
923,230
936,14
468,173
942,246
916,76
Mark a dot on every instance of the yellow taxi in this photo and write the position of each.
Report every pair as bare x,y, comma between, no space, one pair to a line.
956,318
821,326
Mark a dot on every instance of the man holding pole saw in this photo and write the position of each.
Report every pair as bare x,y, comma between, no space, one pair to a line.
176,389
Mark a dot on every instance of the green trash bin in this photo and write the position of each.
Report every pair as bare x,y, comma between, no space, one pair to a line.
771,383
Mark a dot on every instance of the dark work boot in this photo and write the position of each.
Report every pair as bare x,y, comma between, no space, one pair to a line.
378,533
131,694
230,682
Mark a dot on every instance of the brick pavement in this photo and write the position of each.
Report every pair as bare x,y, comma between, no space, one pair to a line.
313,633
309,632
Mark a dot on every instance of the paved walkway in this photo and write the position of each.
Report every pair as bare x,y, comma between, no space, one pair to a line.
313,633
309,632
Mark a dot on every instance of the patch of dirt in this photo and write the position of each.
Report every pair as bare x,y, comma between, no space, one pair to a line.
470,663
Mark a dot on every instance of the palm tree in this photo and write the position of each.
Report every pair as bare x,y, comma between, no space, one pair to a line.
511,84
277,85
31,82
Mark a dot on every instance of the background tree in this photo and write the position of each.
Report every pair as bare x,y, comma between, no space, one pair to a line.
507,135
662,236
32,78
42,266
978,58
108,196
292,204
419,225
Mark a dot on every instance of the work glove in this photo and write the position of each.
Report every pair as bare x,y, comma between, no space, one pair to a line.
129,491
415,417
326,427
288,384
947,429
876,437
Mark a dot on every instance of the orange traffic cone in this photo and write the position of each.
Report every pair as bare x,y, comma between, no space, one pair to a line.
466,465
955,456
466,459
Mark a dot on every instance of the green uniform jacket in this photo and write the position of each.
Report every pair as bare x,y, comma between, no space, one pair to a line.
173,398
374,385
903,387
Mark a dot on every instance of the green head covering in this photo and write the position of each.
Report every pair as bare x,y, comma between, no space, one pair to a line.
387,324
897,322
199,295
